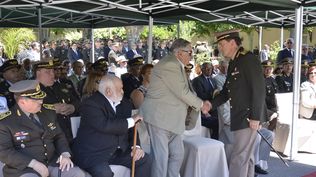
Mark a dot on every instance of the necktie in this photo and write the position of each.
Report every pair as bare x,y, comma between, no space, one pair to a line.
210,82
35,121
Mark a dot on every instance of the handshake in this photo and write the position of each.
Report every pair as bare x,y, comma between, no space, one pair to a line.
206,107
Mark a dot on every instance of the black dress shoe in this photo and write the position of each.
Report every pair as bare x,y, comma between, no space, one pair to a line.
259,170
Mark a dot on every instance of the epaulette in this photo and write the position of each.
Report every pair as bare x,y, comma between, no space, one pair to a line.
49,106
4,115
244,52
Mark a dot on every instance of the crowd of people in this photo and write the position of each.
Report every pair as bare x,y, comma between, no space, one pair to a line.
234,92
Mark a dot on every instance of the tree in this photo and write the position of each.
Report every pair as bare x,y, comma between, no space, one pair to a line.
13,37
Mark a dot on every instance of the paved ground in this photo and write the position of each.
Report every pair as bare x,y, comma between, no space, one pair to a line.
304,164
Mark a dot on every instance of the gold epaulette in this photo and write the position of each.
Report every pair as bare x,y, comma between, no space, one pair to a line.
244,52
4,115
49,106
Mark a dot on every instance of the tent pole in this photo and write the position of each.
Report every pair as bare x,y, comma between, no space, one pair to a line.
92,45
281,38
260,38
39,15
297,75
150,39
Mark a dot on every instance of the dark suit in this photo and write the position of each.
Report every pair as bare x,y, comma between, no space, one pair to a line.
285,53
22,141
4,90
204,88
62,53
103,138
130,54
74,56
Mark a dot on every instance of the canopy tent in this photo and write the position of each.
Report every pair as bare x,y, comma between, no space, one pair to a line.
104,13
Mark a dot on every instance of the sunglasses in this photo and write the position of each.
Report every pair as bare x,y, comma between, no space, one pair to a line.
188,51
289,42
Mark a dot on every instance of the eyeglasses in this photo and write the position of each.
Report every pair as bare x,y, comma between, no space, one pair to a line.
289,42
188,51
312,73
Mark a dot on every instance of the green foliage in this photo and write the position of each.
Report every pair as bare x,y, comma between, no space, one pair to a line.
161,32
201,58
274,49
205,29
104,33
13,37
73,35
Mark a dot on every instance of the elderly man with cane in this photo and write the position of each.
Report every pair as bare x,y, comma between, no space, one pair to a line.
105,134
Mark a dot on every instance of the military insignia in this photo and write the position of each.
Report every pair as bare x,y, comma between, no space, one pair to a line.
235,72
18,113
5,114
68,86
51,126
49,106
22,145
21,136
65,90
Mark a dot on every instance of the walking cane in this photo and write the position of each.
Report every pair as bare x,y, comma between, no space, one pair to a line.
280,157
134,147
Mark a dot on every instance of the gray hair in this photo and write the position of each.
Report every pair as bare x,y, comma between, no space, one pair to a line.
179,44
106,82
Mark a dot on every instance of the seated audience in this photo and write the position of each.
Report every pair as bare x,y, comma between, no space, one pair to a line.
105,133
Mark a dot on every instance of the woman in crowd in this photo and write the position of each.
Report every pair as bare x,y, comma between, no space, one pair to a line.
138,94
308,95
91,84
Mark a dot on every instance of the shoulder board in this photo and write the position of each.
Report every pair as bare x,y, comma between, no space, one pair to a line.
4,115
49,106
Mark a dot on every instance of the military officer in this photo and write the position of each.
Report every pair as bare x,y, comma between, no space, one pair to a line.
131,80
285,80
32,142
10,72
245,90
58,96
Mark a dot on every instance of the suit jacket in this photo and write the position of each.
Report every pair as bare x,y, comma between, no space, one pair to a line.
308,99
284,54
22,141
130,54
101,131
168,97
73,56
245,89
202,87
